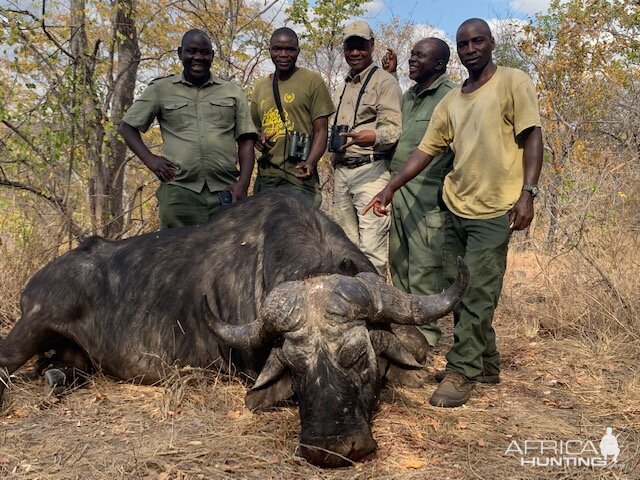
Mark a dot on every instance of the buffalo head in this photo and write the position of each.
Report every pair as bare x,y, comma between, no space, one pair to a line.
332,339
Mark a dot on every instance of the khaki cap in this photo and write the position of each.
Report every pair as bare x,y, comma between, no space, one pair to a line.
358,28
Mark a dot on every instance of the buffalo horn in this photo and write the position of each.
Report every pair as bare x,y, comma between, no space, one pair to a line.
391,305
278,314
243,337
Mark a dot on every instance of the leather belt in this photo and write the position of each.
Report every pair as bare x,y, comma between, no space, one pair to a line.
355,162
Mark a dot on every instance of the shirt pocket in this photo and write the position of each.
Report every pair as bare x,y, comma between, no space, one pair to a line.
221,112
175,115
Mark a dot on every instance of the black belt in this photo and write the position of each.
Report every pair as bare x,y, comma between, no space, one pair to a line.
355,162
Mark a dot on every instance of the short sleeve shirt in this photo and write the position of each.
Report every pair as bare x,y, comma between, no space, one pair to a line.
199,127
304,97
481,128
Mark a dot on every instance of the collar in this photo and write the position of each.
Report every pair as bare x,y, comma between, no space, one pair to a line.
358,77
431,88
179,78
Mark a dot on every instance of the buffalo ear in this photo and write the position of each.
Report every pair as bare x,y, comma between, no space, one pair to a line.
387,345
271,395
272,386
413,340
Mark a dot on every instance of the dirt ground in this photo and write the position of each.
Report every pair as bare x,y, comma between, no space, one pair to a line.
566,391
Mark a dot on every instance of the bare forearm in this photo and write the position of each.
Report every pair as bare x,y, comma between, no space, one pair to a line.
319,142
246,158
533,156
134,141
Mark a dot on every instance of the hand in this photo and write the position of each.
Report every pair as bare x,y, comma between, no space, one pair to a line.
363,138
379,203
521,214
390,61
238,191
264,143
161,167
305,169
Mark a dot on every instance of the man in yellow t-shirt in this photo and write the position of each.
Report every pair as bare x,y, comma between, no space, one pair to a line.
492,124
293,137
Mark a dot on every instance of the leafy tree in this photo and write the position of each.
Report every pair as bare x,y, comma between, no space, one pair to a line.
585,54
69,72
321,34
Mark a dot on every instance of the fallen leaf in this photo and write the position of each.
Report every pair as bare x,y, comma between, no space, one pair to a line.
234,414
413,463
460,425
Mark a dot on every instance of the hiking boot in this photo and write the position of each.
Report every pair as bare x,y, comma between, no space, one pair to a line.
482,378
453,391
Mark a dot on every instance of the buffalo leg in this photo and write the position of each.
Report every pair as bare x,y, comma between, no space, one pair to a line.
65,368
17,348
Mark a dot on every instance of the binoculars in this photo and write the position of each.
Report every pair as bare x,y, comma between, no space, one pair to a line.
298,147
337,141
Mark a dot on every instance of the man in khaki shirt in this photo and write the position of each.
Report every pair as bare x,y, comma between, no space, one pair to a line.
368,108
206,126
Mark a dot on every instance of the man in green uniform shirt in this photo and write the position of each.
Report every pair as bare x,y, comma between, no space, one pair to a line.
417,218
293,136
206,127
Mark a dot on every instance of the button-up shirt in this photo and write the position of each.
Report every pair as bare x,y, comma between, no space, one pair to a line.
379,109
199,127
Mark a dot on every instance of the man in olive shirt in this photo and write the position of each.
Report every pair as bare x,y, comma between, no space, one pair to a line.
368,105
205,125
492,123
305,105
417,218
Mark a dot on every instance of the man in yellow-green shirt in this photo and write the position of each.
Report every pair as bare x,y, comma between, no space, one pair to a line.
492,124
293,137
206,129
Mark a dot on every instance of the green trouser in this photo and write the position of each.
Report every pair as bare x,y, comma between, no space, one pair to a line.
180,206
483,244
264,182
415,254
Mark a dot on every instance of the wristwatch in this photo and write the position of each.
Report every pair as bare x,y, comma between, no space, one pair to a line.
532,189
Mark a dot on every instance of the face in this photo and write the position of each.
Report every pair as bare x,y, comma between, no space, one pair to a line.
284,52
423,62
475,45
196,55
358,53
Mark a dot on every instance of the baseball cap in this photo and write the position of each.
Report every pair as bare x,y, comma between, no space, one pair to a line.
358,28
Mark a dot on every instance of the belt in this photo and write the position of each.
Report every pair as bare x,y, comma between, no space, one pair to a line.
355,162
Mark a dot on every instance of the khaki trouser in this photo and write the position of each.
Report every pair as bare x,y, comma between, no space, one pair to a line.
180,206
483,244
353,189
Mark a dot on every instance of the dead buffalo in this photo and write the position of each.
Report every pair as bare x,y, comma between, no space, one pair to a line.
271,286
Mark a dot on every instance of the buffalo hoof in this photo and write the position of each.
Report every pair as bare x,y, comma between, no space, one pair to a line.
334,453
55,382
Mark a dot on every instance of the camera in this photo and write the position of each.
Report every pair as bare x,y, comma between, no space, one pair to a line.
298,147
336,141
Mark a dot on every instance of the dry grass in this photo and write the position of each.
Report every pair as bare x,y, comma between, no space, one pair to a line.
568,334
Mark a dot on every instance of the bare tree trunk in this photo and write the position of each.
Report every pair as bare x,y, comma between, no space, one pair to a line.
128,58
